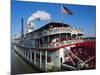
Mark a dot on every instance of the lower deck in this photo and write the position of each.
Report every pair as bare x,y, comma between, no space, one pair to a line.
78,56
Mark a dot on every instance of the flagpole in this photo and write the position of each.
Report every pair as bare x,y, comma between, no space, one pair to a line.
62,18
62,14
64,10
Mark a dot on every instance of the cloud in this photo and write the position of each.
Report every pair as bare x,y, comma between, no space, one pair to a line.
41,15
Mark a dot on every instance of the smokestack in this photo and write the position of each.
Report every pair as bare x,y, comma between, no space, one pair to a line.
22,28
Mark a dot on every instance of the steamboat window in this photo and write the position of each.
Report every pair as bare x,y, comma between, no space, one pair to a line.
69,35
74,36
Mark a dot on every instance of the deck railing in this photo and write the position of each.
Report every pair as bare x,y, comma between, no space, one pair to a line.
56,30
78,42
60,43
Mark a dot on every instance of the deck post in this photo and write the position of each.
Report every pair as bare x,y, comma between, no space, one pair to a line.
25,54
22,52
30,55
45,60
34,57
40,58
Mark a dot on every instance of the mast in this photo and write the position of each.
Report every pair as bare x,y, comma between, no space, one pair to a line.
22,28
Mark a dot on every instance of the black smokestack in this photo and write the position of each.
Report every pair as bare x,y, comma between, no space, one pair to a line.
22,28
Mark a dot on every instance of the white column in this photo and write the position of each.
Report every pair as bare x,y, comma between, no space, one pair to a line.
34,57
30,55
27,54
24,53
46,60
21,52
40,58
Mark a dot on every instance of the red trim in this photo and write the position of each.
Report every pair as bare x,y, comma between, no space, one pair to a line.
53,49
85,44
88,44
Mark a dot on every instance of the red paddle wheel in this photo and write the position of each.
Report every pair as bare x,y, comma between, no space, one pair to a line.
82,56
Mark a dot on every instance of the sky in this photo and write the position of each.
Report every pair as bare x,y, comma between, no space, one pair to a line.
84,16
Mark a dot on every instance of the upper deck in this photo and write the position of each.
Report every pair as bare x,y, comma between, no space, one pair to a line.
52,29
52,35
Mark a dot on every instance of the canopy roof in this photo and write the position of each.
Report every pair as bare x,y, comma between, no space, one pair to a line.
53,24
50,25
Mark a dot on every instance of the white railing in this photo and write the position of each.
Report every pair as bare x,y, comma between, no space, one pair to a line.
55,30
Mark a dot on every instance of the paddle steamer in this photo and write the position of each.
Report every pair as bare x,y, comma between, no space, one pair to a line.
55,46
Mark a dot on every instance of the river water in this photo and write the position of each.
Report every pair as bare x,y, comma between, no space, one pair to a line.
19,66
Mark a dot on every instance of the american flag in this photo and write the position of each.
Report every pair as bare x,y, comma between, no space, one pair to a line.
66,11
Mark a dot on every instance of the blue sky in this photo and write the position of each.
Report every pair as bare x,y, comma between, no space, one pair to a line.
84,16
